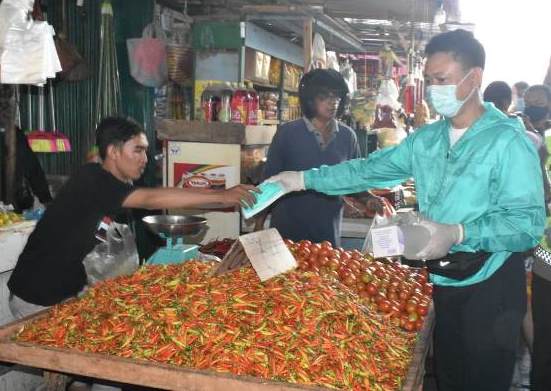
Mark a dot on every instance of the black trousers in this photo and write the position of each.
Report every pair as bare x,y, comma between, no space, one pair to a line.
477,330
540,377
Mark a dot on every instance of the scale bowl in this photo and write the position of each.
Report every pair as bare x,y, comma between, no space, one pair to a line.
175,226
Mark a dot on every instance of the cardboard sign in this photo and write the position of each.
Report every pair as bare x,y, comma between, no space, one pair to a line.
264,250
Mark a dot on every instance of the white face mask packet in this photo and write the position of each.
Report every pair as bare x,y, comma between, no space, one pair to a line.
270,193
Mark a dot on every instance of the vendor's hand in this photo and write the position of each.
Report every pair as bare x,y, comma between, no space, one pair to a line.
290,180
242,195
442,238
377,204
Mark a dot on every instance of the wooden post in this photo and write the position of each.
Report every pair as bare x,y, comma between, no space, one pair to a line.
7,121
307,39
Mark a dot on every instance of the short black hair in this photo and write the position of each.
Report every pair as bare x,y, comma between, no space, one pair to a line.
318,82
541,87
521,86
500,94
115,131
461,45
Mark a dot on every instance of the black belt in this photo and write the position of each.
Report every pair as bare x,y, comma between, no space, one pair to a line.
458,266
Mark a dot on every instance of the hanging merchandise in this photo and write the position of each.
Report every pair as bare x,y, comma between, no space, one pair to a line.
147,57
108,102
332,61
319,54
41,140
27,51
409,95
388,94
349,75
387,59
73,66
179,51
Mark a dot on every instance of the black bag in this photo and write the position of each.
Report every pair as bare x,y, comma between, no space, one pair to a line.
458,266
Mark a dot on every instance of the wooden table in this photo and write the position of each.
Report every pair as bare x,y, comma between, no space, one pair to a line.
166,377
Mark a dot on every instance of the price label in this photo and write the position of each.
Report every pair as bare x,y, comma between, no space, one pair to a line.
264,250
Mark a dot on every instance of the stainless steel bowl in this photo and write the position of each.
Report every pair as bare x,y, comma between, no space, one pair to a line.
176,226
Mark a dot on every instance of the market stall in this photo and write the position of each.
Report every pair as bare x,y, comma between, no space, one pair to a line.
255,335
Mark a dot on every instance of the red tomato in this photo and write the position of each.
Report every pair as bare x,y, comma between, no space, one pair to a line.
372,289
419,324
334,254
326,244
324,252
345,256
357,255
427,289
349,280
392,295
422,310
315,248
303,253
403,295
367,277
333,264
411,308
323,260
354,263
410,326
413,316
363,294
288,242
379,297
384,306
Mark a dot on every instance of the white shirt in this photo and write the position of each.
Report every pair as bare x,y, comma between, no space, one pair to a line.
455,135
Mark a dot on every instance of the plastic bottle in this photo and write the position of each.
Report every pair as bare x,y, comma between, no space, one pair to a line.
224,112
239,106
409,96
253,105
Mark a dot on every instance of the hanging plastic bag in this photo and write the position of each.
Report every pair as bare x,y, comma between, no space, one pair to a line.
319,54
27,50
148,58
116,256
395,234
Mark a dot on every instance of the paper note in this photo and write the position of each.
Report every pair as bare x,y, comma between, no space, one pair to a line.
387,241
264,250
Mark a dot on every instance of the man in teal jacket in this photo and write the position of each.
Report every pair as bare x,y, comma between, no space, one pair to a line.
479,188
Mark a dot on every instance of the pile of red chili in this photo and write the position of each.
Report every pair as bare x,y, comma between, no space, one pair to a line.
217,247
297,328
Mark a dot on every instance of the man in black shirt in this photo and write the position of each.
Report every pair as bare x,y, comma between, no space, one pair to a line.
50,268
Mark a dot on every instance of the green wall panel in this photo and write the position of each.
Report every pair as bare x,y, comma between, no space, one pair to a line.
216,35
75,101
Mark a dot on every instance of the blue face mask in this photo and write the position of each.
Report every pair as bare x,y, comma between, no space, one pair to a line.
519,104
444,99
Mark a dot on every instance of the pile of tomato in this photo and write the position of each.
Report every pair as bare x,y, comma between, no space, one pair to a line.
401,292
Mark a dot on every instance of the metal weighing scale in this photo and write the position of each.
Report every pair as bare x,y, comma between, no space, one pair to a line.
174,229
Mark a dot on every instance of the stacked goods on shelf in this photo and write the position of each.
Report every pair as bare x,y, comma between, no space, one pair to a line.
301,327
274,76
225,104
268,104
290,107
257,66
291,76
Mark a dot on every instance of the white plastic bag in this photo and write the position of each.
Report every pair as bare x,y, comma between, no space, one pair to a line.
116,256
396,234
27,51
147,57
319,54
